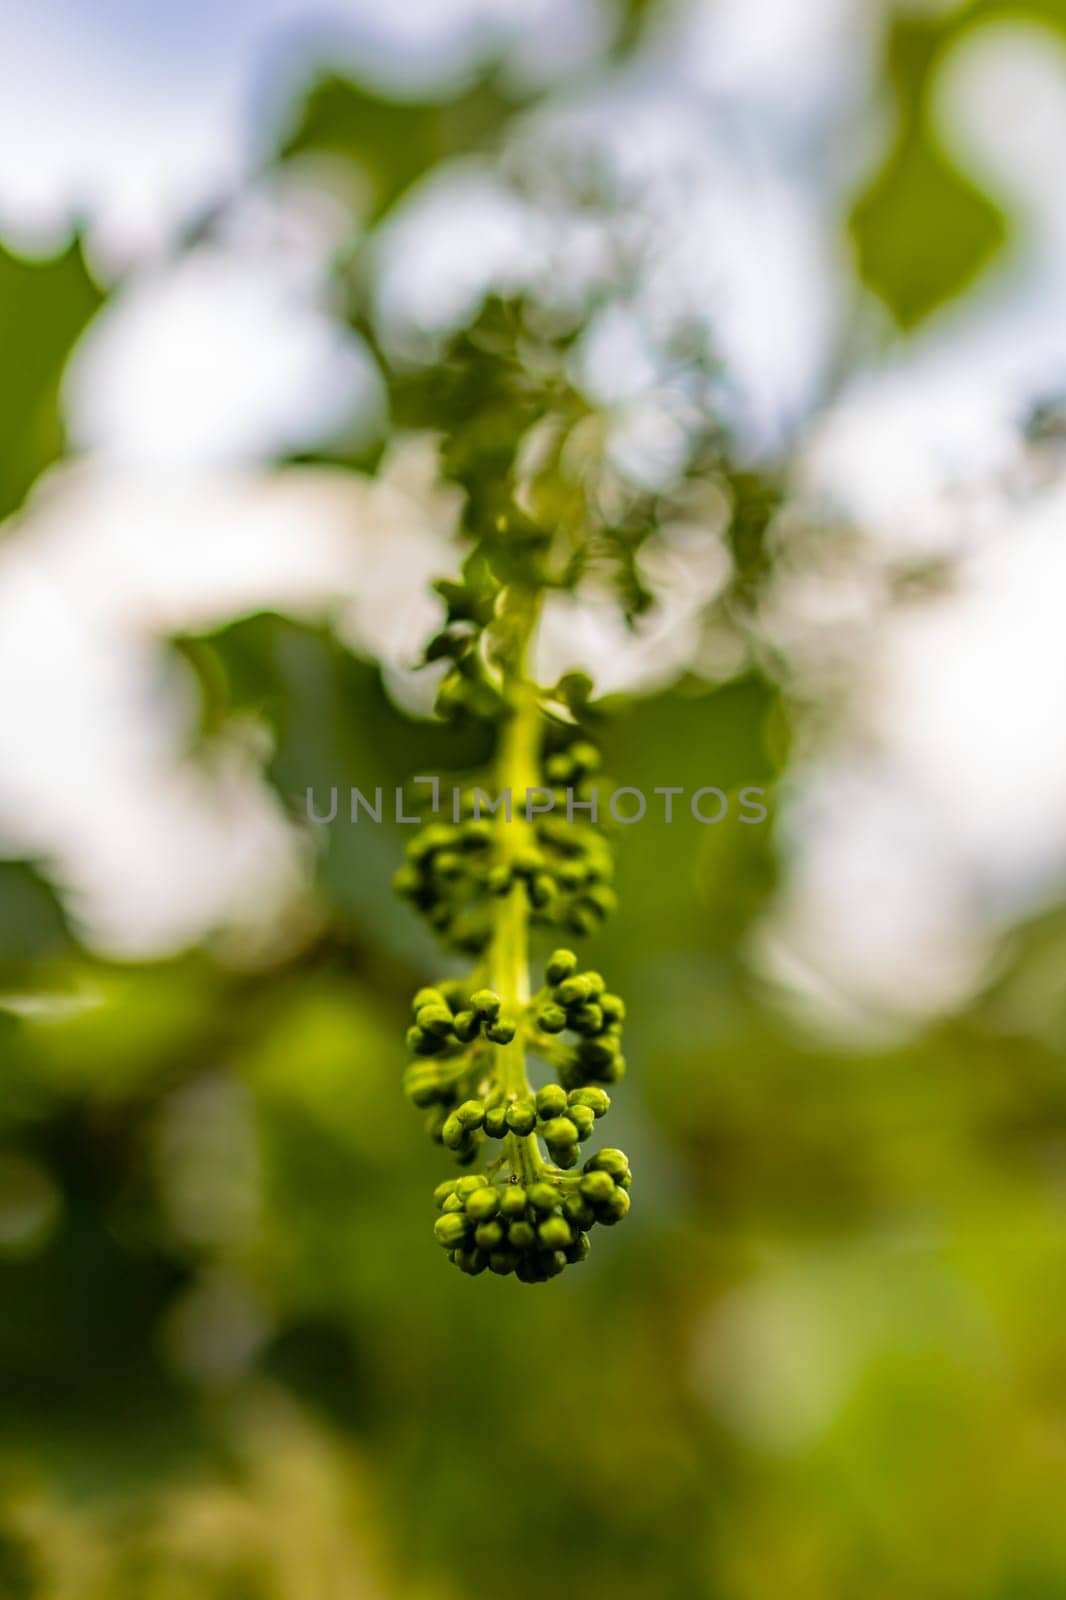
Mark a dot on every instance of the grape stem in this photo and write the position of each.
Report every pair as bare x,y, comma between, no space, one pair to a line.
517,771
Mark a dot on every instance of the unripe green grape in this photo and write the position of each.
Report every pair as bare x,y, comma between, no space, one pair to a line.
451,1229
521,1117
513,1201
562,965
482,1204
554,1233
551,1019
550,1101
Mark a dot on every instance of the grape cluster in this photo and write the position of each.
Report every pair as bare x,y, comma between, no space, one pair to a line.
534,1232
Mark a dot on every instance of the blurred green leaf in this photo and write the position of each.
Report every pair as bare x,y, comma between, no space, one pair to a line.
43,308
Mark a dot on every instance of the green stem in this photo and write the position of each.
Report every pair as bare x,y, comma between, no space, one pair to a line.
517,770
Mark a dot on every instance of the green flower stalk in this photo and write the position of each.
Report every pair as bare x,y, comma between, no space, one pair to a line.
484,883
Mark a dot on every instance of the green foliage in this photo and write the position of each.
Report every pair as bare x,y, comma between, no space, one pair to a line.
43,308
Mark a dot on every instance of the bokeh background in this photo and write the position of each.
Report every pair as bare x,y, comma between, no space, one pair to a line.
810,259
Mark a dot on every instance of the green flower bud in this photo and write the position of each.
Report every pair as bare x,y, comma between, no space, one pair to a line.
597,1187
578,1211
552,1019
496,1122
595,983
583,919
543,1196
443,1190
451,1229
421,1043
486,1003
542,890
573,992
482,1204
580,1250
614,1209
551,1101
602,898
475,834
585,756
552,1264
471,1261
501,1032
513,1201
554,1233
466,1186
583,1119
453,1134
597,1100
467,1026
522,1235
598,1052
422,1085
503,1261
499,881
488,1235
406,882
559,1133
426,997
435,1019
521,1117
558,768
563,964
587,1019
454,1202
471,1114
613,1162
613,1008
613,1071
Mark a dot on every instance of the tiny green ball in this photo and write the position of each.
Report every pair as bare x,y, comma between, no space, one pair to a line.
474,1180
543,1196
551,1019
562,965
467,1026
499,881
542,890
553,1263
585,756
426,997
488,1235
580,1250
453,1133
522,1235
614,1209
482,1204
597,1187
551,1100
583,1118
503,1261
500,1032
443,1190
554,1233
450,1229
471,1113
596,985
486,1003
513,1201
521,1118
449,865
577,1209
471,1261
572,992
614,1162
613,1008
454,1202
559,1133
597,1100
496,1122
586,1019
